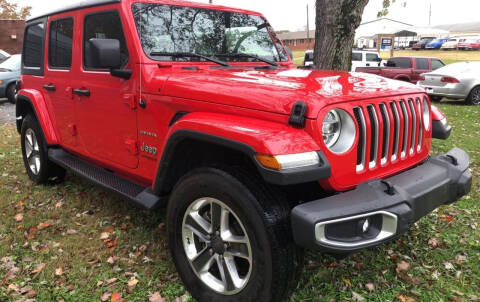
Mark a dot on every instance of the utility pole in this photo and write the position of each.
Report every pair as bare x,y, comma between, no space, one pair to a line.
430,15
210,1
308,28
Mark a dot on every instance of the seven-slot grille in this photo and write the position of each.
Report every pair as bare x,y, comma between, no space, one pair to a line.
388,131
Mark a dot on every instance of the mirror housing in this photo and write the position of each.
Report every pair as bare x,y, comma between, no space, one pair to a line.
105,53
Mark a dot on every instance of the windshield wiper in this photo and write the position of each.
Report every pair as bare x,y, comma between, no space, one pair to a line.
189,54
246,55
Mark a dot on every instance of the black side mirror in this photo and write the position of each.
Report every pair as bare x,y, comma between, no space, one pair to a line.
289,51
105,53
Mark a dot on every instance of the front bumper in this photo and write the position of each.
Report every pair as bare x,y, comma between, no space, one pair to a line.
338,224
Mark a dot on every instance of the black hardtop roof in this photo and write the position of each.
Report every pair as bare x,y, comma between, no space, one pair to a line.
74,6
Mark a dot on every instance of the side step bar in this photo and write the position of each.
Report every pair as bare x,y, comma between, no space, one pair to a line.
139,195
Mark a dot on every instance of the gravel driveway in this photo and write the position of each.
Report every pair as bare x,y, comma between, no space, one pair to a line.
7,112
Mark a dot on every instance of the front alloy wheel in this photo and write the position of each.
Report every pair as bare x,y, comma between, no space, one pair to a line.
217,246
474,97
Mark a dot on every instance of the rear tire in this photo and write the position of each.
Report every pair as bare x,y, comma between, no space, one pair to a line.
10,93
474,97
275,264
35,157
436,98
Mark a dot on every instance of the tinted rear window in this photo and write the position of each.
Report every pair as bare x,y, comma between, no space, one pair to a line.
372,57
422,64
60,44
436,64
33,49
357,56
400,63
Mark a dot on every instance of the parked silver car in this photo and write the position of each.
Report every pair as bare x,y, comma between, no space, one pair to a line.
454,81
9,75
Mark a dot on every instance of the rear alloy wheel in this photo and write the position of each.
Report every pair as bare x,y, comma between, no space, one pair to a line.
231,239
34,151
10,93
474,97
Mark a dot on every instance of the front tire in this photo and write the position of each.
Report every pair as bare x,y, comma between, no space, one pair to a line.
230,238
34,151
474,97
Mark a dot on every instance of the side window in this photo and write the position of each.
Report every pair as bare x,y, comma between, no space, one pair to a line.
33,49
357,57
372,57
422,64
436,64
60,43
104,25
400,63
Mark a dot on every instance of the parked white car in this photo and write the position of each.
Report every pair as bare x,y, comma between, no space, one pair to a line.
360,58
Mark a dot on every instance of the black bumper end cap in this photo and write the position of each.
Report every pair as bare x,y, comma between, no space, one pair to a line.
441,130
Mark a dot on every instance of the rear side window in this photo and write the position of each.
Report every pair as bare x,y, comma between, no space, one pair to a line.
400,63
33,48
436,64
60,43
422,64
372,57
104,25
357,56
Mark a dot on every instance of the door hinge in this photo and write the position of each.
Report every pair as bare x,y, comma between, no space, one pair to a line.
130,101
132,146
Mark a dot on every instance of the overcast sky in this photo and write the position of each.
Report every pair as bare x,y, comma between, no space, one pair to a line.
291,15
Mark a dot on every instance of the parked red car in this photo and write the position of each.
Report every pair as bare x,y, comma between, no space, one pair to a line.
470,44
199,108
408,69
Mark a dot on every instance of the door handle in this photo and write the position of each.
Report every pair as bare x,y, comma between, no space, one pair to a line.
81,92
49,87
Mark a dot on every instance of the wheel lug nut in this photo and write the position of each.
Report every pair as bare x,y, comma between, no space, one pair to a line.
225,245
211,252
217,233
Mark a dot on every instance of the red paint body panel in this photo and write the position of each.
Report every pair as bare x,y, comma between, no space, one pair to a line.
241,103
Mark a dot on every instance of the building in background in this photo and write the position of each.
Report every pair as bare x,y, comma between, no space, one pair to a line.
11,35
462,29
299,40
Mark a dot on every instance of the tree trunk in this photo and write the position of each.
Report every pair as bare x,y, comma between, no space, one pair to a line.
336,23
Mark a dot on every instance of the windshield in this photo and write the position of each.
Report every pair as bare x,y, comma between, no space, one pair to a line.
213,33
12,63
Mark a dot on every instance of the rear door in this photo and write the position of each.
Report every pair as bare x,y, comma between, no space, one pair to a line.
422,65
107,119
56,87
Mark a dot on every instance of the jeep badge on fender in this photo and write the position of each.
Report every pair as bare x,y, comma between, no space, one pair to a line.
240,132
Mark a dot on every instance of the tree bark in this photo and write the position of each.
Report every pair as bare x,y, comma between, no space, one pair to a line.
336,23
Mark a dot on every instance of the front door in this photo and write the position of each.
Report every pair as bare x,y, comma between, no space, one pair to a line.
107,119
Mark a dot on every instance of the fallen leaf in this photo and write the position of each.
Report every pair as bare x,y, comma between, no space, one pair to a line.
18,217
38,268
104,236
347,282
116,297
404,298
357,297
155,297
433,242
71,232
370,286
460,258
110,260
448,266
110,281
183,298
13,287
402,266
458,293
132,282
26,289
58,205
43,225
105,296
59,271
99,283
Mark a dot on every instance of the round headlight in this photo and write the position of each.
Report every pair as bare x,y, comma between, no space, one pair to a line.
338,131
426,115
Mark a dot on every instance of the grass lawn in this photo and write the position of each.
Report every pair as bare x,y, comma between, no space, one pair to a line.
447,56
76,242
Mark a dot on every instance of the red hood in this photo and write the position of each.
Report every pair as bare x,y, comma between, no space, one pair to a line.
277,90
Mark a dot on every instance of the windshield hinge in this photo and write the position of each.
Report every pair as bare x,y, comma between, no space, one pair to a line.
297,117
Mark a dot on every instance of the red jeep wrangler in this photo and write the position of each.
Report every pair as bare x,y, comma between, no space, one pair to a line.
199,108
